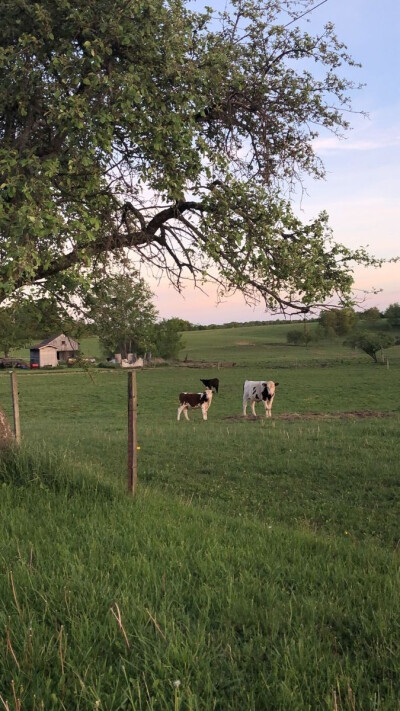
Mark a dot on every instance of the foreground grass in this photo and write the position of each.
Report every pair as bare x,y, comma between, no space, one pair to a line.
258,565
216,611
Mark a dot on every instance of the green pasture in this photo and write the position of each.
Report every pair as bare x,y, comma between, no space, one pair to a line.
267,346
257,567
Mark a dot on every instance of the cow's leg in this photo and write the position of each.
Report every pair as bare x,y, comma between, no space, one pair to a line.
253,407
204,411
180,412
268,407
245,406
185,412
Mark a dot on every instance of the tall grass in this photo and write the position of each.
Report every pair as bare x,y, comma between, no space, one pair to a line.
155,604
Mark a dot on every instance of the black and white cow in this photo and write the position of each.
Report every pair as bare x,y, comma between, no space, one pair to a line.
259,391
210,384
194,400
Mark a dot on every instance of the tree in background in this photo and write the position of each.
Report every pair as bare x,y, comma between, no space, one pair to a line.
337,322
180,324
370,343
123,313
167,338
372,315
147,131
392,314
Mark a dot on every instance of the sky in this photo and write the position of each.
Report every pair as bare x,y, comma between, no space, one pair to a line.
361,191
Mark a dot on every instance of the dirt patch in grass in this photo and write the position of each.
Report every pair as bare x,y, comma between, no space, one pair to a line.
291,416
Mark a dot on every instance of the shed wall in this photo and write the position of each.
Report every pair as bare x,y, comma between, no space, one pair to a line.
47,356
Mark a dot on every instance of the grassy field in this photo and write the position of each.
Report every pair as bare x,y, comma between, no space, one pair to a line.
257,568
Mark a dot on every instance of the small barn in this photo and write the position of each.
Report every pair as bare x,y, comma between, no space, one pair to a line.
53,350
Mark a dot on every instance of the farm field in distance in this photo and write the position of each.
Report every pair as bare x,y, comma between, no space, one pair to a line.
258,565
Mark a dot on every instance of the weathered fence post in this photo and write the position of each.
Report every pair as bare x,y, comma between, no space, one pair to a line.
15,402
132,433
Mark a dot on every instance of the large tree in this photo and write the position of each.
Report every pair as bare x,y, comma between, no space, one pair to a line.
147,129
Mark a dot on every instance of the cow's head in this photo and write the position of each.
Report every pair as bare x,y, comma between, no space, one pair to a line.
268,390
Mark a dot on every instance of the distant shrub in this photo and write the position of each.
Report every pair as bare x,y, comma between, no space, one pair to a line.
303,337
295,338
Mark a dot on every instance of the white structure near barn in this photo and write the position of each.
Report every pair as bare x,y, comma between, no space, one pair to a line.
53,350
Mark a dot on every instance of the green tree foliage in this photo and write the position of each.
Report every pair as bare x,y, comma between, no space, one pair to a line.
167,338
370,315
46,316
301,337
295,337
123,314
180,324
24,321
338,322
370,343
392,314
11,334
147,129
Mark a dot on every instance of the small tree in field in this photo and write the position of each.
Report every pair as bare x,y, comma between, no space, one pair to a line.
123,314
370,343
167,338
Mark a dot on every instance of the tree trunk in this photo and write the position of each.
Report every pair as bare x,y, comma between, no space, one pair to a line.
7,438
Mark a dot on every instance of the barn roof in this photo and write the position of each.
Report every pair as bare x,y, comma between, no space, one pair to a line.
49,342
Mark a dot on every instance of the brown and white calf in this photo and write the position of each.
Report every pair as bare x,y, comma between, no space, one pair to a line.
259,391
194,400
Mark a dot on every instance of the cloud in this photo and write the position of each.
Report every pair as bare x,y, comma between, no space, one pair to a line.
327,145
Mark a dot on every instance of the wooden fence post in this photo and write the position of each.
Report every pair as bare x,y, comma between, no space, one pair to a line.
15,402
132,433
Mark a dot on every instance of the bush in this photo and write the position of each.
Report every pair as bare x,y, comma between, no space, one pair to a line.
301,337
295,338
